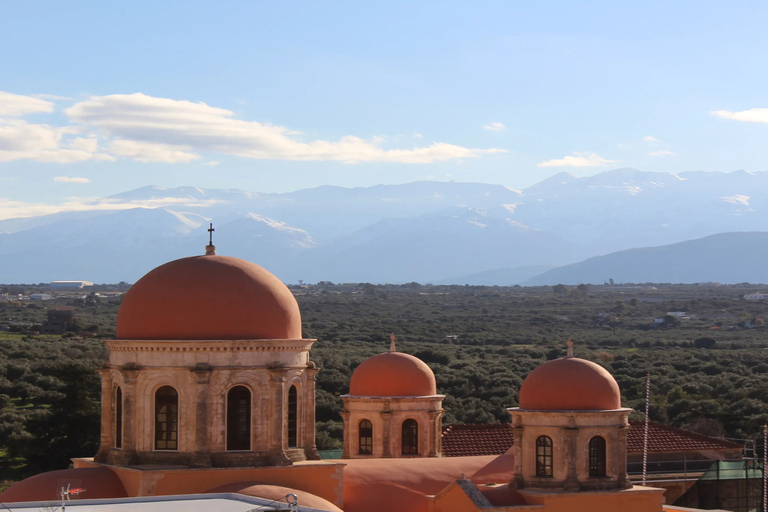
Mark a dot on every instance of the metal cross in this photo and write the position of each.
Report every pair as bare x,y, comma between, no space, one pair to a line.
210,233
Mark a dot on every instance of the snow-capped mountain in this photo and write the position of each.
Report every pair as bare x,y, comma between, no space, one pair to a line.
423,231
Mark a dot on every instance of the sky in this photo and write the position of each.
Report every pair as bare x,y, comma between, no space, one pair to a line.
98,98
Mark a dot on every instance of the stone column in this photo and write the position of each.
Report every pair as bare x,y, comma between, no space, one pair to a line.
571,454
277,398
107,415
310,447
201,457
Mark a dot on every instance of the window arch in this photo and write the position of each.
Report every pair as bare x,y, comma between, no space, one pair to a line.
118,417
166,419
239,418
365,437
543,456
293,416
597,465
410,438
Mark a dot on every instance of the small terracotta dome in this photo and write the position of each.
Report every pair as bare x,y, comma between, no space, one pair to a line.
277,493
98,482
209,298
570,384
393,374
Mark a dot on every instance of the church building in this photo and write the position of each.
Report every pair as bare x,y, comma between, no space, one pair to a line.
209,388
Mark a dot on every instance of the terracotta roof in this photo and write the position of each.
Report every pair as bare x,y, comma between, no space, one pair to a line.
497,438
481,439
663,438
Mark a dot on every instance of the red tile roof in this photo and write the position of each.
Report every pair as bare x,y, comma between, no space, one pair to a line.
481,439
663,438
497,438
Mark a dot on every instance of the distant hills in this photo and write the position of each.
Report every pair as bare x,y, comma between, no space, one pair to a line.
625,224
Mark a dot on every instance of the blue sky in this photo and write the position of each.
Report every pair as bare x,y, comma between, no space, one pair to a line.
101,97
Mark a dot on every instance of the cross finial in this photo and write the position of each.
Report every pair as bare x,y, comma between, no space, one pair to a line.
570,348
210,249
392,342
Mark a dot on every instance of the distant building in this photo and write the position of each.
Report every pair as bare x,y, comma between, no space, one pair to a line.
70,284
678,314
40,296
756,296
59,321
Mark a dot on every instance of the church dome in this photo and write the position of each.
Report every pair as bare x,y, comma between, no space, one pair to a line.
570,384
393,374
209,298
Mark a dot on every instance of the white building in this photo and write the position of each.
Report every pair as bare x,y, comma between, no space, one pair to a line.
70,284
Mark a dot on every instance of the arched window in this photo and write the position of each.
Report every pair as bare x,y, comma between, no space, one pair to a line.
365,436
239,418
166,419
410,437
293,416
597,456
543,456
118,418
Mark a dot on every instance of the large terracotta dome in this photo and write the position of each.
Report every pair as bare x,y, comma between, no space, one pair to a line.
209,298
393,374
570,384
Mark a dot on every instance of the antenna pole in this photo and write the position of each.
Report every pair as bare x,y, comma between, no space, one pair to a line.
645,437
765,473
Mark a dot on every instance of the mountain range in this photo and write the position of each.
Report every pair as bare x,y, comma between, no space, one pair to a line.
627,225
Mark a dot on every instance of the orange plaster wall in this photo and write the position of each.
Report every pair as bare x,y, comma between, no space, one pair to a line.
632,500
453,499
315,479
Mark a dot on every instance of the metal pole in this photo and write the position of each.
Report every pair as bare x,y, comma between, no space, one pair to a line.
645,439
765,473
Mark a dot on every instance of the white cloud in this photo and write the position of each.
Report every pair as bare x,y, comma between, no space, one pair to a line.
650,138
494,127
417,136
584,159
152,151
161,129
53,97
67,179
17,209
20,140
210,163
663,153
753,115
14,105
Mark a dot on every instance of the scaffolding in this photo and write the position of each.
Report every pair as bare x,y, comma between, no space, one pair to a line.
730,485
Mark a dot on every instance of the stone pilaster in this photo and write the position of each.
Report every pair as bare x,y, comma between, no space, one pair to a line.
277,398
202,453
620,456
435,433
347,437
386,424
310,447
518,481
107,415
571,456
127,454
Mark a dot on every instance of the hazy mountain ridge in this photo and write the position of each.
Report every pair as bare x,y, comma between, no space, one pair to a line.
422,231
